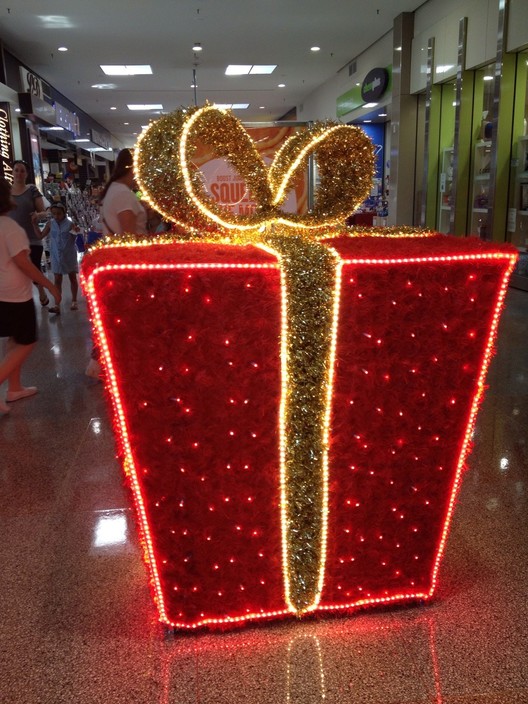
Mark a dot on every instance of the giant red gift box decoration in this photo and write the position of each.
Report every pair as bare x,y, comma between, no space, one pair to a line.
293,415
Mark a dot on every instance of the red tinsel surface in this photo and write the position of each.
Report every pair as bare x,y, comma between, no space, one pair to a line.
411,342
196,357
196,354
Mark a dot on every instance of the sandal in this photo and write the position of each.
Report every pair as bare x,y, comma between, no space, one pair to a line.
44,300
55,309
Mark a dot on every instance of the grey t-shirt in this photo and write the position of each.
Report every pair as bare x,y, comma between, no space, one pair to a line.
25,205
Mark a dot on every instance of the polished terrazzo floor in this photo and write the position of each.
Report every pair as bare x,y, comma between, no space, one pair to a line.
77,623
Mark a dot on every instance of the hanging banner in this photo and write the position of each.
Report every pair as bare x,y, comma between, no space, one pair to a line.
227,187
6,143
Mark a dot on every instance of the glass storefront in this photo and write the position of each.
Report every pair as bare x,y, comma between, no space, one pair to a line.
518,192
447,133
481,152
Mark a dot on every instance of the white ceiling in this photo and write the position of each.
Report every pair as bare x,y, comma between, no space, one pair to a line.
162,32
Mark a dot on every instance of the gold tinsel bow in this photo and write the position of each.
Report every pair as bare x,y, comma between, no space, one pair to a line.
174,186
310,280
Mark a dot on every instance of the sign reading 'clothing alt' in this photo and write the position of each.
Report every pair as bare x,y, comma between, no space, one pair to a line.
6,143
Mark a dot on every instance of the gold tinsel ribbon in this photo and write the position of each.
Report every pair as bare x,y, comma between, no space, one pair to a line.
310,281
173,184
309,327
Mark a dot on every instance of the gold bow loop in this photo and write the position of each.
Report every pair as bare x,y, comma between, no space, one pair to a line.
170,180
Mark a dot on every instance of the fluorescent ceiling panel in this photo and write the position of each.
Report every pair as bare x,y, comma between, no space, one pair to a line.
237,70
246,69
146,106
232,106
262,69
126,70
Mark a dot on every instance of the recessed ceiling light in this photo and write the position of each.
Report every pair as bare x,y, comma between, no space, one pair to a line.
281,85
397,48
126,123
365,121
113,108
315,48
146,106
17,109
262,107
487,78
105,86
193,85
197,46
81,140
126,70
382,114
62,48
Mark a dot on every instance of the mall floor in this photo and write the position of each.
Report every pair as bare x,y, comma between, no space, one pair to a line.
77,623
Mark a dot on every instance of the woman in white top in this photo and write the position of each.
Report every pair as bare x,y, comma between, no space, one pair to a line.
121,210
17,311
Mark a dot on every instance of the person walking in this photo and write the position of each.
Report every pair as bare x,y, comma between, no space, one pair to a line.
63,251
18,320
28,203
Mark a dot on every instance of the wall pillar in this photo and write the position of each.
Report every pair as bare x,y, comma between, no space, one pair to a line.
403,125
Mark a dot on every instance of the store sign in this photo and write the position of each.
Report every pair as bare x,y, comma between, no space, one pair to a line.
31,83
6,144
67,119
102,139
374,84
36,109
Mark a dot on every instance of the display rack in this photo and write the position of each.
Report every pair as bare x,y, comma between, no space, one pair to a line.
519,228
521,232
481,186
445,190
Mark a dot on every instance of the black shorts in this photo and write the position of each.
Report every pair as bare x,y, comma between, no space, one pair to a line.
35,254
19,321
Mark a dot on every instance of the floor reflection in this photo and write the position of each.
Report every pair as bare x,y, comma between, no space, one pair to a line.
359,659
110,529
